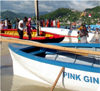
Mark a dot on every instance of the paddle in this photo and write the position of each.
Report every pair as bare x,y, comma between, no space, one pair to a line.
65,49
62,69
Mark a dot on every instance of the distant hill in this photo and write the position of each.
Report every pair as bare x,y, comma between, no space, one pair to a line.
8,14
95,9
12,15
58,13
95,12
63,14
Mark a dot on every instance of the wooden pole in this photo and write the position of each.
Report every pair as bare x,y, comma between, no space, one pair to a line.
37,16
59,48
52,88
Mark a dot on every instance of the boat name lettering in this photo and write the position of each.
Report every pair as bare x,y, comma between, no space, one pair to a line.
91,79
78,77
72,76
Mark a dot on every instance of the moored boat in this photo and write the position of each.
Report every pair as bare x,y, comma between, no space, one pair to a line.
70,35
44,36
42,64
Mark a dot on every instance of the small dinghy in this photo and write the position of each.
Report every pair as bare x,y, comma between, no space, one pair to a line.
82,73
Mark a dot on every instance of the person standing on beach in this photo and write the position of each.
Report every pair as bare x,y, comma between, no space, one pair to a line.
29,30
43,23
83,34
54,23
89,28
97,35
47,23
17,21
6,23
9,24
22,27
1,25
51,23
78,37
58,24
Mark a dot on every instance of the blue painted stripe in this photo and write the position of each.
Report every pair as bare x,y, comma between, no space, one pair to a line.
56,63
89,45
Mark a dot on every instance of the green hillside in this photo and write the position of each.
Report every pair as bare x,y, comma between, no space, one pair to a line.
12,16
95,9
63,14
95,15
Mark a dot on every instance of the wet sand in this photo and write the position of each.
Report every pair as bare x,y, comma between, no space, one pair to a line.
9,82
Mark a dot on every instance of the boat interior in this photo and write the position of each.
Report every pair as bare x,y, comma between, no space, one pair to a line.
50,54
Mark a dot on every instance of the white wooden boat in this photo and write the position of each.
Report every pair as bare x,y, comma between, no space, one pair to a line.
70,35
81,73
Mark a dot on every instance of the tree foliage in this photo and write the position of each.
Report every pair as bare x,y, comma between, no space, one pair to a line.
63,14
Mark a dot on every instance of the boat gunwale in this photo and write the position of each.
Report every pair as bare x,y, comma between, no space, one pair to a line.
56,63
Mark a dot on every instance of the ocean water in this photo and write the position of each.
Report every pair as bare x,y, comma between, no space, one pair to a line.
9,82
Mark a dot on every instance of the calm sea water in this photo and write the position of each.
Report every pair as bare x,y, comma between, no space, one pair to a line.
9,82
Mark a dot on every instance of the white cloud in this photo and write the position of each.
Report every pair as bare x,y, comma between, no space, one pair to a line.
18,6
45,7
80,5
27,6
83,4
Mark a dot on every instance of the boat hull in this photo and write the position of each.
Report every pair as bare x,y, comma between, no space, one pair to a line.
38,69
70,35
44,37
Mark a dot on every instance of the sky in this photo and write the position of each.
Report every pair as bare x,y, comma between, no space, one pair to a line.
27,6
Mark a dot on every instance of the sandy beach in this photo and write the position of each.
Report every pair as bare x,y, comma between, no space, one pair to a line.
9,82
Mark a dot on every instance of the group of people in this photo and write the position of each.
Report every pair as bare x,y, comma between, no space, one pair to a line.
6,24
83,34
24,25
50,23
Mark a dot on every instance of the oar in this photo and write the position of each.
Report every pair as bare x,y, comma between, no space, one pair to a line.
62,69
65,49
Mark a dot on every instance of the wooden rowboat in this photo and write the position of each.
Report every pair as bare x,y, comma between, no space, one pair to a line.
82,73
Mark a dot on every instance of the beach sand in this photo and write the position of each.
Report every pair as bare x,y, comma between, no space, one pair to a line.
15,83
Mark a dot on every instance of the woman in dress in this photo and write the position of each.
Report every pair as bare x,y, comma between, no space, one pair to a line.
29,30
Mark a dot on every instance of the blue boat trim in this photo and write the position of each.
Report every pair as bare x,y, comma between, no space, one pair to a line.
88,45
56,63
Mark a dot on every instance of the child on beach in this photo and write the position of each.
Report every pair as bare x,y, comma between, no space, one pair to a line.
79,39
